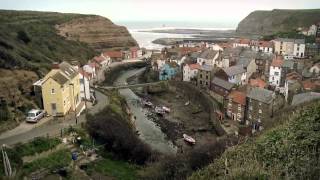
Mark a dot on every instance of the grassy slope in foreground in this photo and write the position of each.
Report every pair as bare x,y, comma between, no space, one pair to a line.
28,40
289,151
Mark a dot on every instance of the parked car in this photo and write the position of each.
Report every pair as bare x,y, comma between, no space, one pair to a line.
35,115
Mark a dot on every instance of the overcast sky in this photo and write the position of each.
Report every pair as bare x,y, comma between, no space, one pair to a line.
161,10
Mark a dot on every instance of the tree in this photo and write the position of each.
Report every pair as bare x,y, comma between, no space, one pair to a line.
23,36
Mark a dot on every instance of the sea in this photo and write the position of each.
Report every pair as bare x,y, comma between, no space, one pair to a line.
137,30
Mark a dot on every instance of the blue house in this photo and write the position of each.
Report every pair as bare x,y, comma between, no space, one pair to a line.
168,71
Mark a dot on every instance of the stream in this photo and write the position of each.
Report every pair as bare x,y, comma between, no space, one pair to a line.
149,131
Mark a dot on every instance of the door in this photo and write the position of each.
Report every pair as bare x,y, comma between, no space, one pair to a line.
54,109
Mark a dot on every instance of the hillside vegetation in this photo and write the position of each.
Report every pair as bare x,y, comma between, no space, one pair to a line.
277,20
288,151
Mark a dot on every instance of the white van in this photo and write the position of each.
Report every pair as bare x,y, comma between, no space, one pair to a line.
35,115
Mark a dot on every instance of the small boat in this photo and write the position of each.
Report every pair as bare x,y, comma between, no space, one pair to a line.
159,111
189,139
166,109
187,103
147,103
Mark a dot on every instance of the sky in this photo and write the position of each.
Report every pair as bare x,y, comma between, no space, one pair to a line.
228,12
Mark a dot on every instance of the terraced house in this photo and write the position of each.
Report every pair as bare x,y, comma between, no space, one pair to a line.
61,90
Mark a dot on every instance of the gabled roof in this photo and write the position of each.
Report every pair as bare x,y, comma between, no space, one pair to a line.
68,70
60,78
244,61
234,70
258,83
238,97
304,97
208,54
298,41
222,83
261,95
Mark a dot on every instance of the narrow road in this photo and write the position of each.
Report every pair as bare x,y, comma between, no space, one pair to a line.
53,127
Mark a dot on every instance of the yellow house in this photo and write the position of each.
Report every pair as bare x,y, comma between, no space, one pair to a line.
61,90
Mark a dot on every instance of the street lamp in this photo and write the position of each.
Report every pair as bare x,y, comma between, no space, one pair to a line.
75,108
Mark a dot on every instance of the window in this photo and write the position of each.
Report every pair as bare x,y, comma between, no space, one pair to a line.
81,81
53,91
207,83
276,73
64,102
200,75
200,82
207,77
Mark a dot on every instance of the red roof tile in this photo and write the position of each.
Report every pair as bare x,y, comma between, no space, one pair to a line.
309,85
113,54
98,59
293,76
194,66
277,62
238,97
265,43
258,83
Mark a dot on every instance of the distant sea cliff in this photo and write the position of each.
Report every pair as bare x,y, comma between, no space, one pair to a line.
277,20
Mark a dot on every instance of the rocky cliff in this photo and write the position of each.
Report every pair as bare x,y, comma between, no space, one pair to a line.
99,32
277,20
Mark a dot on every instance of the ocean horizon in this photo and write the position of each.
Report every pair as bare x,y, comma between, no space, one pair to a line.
144,39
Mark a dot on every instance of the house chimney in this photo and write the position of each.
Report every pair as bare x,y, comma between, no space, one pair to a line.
55,65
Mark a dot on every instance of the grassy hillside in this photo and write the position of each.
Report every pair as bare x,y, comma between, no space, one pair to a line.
289,151
28,40
278,20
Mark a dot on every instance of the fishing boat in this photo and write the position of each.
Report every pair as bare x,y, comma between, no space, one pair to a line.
189,139
159,111
166,109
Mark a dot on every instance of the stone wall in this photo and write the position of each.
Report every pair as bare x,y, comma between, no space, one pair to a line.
196,95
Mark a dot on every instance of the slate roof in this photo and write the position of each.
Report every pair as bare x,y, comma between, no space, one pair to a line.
222,83
59,78
208,54
304,97
206,67
261,95
234,70
298,41
68,70
244,61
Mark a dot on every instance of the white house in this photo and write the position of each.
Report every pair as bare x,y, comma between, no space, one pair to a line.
299,48
236,75
315,69
275,72
91,69
262,46
208,57
241,43
190,71
290,48
312,30
84,85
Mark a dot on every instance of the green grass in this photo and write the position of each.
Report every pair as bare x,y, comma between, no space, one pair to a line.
54,161
115,168
29,40
37,145
289,151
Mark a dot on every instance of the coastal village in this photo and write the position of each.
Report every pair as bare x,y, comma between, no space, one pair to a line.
134,110
252,79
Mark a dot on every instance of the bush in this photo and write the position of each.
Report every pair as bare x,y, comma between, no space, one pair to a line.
38,145
183,165
23,36
113,128
54,161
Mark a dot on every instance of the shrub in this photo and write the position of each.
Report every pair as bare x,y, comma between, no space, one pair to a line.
23,36
113,128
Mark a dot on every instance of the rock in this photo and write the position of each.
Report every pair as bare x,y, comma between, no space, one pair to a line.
277,20
99,32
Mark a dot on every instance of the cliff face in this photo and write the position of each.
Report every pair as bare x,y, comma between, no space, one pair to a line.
269,22
99,32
